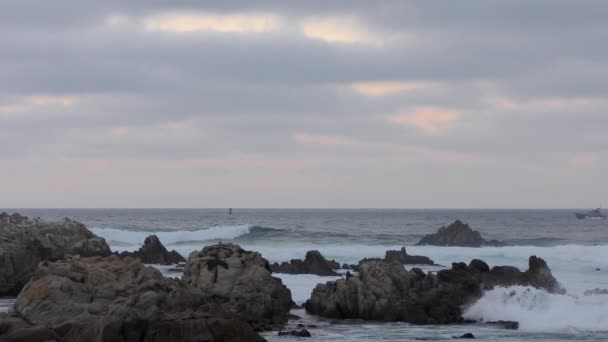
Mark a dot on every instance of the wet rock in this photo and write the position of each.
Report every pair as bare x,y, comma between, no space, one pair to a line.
298,333
510,325
24,243
313,263
457,234
388,292
118,299
402,258
153,252
465,336
244,278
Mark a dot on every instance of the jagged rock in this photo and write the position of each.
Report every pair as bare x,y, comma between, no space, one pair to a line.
244,278
457,234
387,292
119,299
313,263
24,243
297,333
153,252
402,258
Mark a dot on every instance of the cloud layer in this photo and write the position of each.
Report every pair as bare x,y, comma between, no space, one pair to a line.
303,104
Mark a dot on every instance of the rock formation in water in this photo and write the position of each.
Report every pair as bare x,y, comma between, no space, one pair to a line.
244,278
313,263
388,292
26,242
117,299
457,234
153,252
401,257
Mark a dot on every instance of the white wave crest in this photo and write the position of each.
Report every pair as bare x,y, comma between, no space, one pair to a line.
120,239
539,311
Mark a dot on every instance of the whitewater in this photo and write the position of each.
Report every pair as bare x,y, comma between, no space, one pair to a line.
576,252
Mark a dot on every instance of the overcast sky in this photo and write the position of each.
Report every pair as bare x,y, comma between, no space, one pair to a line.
403,104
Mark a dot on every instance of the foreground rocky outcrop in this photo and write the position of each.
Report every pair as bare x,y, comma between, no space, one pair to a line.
313,263
114,299
457,234
388,292
401,257
153,252
244,278
26,242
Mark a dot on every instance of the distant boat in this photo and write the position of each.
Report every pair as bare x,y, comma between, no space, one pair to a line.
592,214
230,211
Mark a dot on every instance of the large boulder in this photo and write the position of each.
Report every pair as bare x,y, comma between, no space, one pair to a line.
118,299
401,257
26,242
313,263
388,292
244,277
457,234
153,252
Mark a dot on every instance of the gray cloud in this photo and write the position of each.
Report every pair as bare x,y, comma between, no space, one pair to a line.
527,81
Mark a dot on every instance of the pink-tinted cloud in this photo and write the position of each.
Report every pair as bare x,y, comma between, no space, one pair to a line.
432,120
585,160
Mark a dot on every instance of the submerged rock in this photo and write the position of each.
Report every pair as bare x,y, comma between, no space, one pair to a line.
388,292
457,234
402,258
465,336
510,325
313,263
153,252
244,278
114,299
24,243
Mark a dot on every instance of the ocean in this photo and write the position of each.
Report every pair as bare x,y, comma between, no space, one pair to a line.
576,251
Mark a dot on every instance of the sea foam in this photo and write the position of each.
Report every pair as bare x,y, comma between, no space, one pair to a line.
539,311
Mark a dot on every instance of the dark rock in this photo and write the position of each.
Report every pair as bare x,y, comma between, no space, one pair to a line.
153,252
118,299
298,333
596,291
24,243
465,336
401,257
457,234
313,263
388,292
479,265
510,325
244,278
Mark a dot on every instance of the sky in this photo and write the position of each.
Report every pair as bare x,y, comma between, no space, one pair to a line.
305,104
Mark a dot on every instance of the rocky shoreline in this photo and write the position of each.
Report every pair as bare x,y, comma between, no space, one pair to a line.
71,287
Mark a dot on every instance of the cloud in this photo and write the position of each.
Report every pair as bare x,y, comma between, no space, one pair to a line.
327,140
429,119
339,30
388,87
192,22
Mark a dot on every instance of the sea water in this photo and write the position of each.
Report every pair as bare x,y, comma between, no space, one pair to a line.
575,250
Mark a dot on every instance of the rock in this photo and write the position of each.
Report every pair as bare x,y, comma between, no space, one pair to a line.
119,299
388,292
298,333
244,278
510,325
402,258
24,243
457,234
153,252
596,291
465,336
314,263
